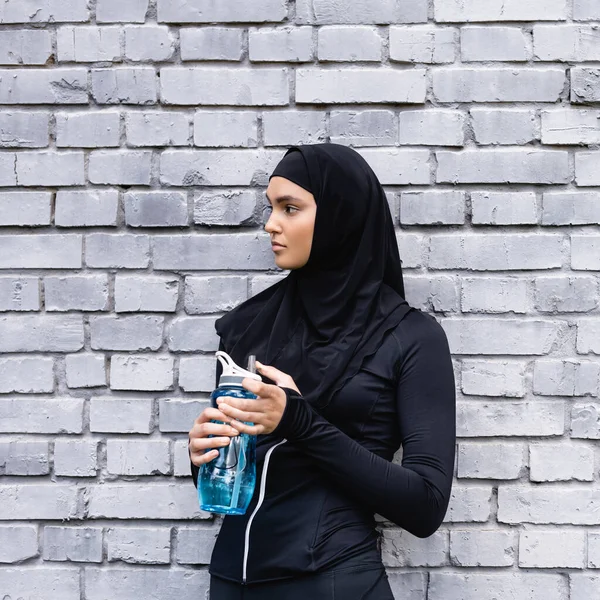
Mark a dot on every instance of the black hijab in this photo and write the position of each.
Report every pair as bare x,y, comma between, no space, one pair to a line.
321,321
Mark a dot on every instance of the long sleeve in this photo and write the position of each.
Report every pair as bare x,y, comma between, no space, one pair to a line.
415,494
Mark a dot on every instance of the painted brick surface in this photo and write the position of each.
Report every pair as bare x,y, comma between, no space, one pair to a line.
136,142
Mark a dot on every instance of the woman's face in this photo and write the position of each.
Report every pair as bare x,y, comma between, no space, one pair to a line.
291,222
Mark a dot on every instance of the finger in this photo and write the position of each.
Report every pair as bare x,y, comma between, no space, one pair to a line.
201,459
203,430
264,390
210,414
199,445
241,415
256,429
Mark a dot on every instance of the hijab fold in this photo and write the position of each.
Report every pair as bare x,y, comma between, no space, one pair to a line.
324,319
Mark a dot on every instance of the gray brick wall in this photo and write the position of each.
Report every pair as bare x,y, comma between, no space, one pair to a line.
136,139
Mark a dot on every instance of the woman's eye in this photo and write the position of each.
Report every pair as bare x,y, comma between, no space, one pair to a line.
293,208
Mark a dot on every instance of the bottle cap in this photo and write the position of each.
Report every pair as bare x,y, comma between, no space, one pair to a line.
233,374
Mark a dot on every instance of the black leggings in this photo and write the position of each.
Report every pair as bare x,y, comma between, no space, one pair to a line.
342,584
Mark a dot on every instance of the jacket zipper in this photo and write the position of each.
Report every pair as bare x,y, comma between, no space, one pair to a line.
261,497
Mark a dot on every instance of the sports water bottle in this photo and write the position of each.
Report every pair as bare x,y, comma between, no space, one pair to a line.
226,484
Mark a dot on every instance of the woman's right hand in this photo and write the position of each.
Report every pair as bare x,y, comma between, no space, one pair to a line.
201,447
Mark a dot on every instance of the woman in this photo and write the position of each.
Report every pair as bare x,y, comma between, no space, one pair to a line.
350,372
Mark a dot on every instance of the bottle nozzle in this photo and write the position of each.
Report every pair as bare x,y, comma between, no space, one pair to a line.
251,363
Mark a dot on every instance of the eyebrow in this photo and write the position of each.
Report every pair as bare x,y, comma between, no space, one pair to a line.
284,198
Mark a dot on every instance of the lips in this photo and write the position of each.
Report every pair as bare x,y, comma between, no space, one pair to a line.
276,245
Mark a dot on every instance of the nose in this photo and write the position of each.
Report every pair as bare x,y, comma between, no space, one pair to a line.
271,225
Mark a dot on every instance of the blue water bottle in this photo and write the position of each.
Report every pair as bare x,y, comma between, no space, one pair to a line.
226,484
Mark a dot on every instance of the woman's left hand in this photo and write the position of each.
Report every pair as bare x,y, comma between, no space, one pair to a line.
266,411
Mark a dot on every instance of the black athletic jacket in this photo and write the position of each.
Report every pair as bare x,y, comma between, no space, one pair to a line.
321,477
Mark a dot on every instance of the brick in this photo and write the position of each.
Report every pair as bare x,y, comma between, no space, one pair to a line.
571,208
360,85
41,333
120,167
491,419
20,129
157,293
481,44
195,545
495,295
288,44
181,457
124,85
76,292
26,375
469,504
114,11
571,127
560,462
88,44
85,370
47,501
214,294
120,415
547,549
326,12
504,208
222,86
588,336
585,422
585,252
192,334
60,584
178,415
364,128
48,11
18,543
139,545
410,247
149,43
432,208
86,208
349,44
587,165
87,130
132,332
245,251
520,165
398,166
211,43
431,293
44,86
585,85
225,207
182,11
586,10
32,415
457,11
423,44
498,84
19,293
504,127
489,586
575,505
127,251
260,283
26,458
8,173
566,378
566,294
197,374
225,129
144,501
141,373
432,127
575,43
156,209
489,460
286,128
485,548
488,252
157,129
584,586
40,251
25,208
75,458
75,544
50,168
129,457
402,549
493,378
593,545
